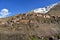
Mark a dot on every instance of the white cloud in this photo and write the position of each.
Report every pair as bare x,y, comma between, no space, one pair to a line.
45,9
4,13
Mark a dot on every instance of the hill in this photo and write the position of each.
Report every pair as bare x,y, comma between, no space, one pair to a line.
32,26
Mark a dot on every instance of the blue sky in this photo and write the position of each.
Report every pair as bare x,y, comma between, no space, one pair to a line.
21,6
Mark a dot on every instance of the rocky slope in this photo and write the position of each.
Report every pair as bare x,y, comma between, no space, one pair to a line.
55,11
32,26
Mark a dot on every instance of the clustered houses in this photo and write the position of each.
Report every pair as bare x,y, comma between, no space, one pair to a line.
39,15
17,20
20,19
44,16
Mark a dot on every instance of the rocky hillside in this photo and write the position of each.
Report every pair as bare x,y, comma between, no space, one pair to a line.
32,26
55,11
